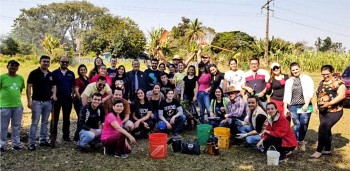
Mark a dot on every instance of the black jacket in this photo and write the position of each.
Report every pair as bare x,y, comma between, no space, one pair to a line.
142,82
90,118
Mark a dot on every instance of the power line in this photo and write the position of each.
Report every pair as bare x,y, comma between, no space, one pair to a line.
291,11
305,25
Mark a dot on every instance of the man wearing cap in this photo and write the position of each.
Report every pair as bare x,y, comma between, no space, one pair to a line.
11,86
43,85
237,109
176,59
254,81
153,73
65,89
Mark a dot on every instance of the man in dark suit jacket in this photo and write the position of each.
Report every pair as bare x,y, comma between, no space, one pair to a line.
136,79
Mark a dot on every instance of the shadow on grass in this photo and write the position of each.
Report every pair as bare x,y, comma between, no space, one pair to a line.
237,157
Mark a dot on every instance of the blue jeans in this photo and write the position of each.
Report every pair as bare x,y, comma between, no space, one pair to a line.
85,137
251,139
300,121
178,125
39,109
204,104
15,115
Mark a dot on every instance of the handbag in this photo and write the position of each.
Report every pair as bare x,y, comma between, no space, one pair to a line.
175,143
191,147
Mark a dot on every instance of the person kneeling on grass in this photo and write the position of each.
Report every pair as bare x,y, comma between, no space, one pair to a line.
90,122
114,135
171,114
278,133
141,110
254,123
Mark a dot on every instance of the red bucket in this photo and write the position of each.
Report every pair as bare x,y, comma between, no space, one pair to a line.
158,145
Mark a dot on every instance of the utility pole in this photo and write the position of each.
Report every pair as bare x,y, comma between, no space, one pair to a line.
267,7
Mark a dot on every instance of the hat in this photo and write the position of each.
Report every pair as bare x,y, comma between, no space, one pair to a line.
12,62
233,89
177,57
275,64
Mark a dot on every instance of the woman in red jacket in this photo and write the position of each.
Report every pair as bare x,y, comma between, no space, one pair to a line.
277,133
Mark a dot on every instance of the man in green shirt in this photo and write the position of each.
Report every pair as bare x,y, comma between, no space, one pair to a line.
11,86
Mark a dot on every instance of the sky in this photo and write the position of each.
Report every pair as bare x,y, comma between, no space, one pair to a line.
291,20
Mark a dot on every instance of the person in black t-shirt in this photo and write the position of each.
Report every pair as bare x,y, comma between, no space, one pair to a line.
216,79
171,114
90,121
190,86
141,111
165,83
153,73
113,70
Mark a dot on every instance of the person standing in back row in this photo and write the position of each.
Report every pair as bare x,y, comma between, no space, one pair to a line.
41,82
11,86
65,89
136,79
254,81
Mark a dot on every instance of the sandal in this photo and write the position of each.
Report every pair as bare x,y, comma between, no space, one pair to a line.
326,153
316,155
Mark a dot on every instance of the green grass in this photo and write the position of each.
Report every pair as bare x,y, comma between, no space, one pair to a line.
65,157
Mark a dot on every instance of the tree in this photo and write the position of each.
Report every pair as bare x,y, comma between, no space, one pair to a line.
234,40
62,20
116,35
9,46
327,45
195,31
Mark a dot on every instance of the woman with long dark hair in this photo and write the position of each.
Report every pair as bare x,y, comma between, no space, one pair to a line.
97,63
216,79
120,81
155,96
218,107
80,84
203,91
330,96
141,111
277,133
275,87
113,134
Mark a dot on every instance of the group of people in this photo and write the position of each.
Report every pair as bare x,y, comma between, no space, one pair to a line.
115,106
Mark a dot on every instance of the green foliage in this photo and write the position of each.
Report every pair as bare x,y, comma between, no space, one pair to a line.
116,35
65,21
235,40
9,46
327,45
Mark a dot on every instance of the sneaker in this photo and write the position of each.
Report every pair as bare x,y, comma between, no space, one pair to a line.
284,160
32,147
289,153
82,149
17,148
117,156
44,144
124,156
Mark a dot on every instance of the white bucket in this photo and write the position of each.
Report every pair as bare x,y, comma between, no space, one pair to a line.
272,156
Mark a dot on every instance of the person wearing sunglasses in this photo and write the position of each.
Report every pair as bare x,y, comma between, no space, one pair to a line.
100,86
65,89
275,87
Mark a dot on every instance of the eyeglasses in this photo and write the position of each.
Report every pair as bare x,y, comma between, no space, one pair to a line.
64,62
101,85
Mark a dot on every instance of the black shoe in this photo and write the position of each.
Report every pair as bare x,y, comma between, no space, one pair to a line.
82,149
2,150
67,139
44,144
32,147
17,148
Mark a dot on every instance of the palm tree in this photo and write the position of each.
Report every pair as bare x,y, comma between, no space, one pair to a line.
195,32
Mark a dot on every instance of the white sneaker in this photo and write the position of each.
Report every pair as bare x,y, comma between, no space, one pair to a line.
124,156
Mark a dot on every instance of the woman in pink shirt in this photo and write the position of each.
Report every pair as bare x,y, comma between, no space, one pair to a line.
102,71
203,91
113,134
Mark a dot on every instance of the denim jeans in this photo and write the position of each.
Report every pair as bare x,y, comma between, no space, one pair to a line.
15,115
300,121
85,137
204,104
39,109
178,125
251,139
